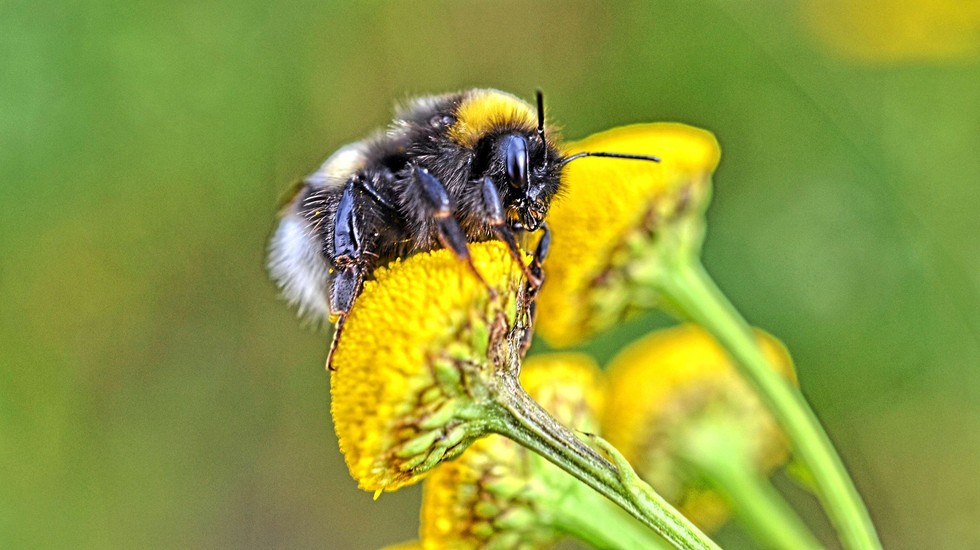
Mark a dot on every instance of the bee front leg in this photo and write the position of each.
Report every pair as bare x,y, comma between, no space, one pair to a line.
540,253
440,208
493,209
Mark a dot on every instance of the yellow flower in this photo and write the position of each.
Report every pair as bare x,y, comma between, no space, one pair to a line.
896,30
412,363
570,386
500,495
668,389
428,363
612,211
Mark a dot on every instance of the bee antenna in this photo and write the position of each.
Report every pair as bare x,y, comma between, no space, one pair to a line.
603,154
540,97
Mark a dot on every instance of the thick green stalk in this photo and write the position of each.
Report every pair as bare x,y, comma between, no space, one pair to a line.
521,419
691,289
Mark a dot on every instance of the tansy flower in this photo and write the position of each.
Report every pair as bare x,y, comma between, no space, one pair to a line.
429,362
627,237
415,365
613,212
693,428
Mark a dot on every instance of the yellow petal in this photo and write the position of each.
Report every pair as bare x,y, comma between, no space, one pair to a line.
608,201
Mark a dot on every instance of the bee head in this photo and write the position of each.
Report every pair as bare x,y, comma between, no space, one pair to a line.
505,136
513,152
529,189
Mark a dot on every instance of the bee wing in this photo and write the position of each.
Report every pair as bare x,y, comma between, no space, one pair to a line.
297,260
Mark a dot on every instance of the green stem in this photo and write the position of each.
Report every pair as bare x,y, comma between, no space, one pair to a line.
718,454
688,285
521,419
762,509
594,520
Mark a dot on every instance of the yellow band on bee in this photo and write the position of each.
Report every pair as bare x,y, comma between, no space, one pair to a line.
485,110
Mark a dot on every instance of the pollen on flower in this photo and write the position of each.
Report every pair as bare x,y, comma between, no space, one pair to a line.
498,494
404,395
607,205
664,386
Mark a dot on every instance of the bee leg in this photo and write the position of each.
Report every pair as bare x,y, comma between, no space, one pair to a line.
532,290
347,285
348,248
371,190
540,253
532,310
450,234
337,329
493,209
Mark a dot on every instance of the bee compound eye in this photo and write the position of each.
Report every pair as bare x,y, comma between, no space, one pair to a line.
514,149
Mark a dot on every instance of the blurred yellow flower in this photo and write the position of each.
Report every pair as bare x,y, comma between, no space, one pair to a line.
411,365
498,494
896,30
570,386
673,384
613,209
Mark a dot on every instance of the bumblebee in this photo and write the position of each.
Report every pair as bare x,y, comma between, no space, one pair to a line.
451,169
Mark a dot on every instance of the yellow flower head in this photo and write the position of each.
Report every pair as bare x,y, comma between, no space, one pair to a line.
612,210
418,346
665,390
570,386
893,31
500,495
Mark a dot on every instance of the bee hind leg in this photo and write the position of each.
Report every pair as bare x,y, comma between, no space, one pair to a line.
348,262
347,284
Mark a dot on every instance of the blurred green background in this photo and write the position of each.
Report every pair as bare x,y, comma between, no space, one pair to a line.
154,392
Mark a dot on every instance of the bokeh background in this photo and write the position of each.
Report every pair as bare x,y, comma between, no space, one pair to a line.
155,392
